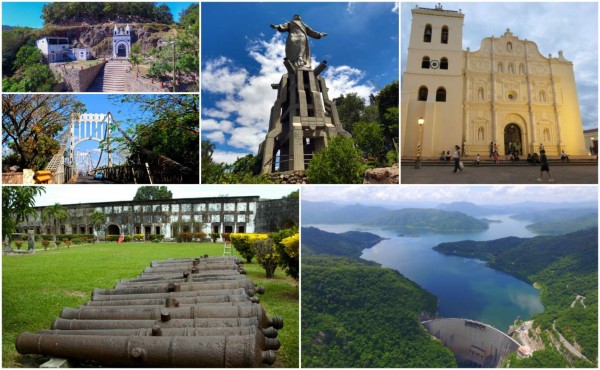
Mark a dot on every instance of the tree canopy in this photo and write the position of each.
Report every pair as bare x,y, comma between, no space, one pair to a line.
17,206
31,124
153,193
95,12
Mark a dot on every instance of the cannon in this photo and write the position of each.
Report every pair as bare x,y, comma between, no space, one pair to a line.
195,293
158,351
182,287
174,302
275,322
189,279
265,342
168,304
165,314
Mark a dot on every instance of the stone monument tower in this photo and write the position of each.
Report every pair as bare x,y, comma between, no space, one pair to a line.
303,117
121,42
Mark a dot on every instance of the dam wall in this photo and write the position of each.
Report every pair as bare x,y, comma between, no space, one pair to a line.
474,344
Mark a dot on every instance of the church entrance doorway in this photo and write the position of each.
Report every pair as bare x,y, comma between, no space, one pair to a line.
512,139
121,51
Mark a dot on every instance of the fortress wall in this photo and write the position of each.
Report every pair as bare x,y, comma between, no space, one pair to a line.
472,341
273,215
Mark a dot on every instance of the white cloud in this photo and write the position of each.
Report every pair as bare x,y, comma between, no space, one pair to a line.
227,157
214,113
396,8
246,99
216,137
212,124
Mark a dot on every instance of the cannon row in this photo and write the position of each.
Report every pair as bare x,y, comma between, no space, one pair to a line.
193,312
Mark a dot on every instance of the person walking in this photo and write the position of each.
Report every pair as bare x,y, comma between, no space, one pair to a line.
544,167
456,157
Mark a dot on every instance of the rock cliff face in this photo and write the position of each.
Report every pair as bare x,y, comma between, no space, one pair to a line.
99,37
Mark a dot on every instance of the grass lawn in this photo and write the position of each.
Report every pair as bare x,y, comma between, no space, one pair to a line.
35,288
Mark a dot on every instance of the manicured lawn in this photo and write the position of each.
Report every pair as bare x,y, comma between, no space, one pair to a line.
35,288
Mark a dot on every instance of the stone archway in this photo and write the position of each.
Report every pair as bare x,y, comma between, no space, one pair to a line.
113,230
513,138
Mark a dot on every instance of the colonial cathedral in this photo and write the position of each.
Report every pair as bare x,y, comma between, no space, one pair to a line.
506,93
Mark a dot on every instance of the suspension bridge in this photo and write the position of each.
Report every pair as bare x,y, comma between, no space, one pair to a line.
71,165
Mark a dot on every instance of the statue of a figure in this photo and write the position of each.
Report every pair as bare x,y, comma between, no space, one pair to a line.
30,240
297,49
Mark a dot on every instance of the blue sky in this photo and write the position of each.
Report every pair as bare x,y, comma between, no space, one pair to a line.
242,56
569,26
425,194
74,194
27,14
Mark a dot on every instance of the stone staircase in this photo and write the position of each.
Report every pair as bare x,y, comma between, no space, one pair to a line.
111,78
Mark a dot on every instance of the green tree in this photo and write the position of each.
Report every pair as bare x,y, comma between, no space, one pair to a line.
389,97
27,56
338,163
98,220
369,138
31,124
350,109
153,193
135,56
57,214
190,18
12,41
266,256
211,170
17,206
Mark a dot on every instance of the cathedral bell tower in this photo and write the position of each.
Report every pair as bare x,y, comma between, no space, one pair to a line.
432,85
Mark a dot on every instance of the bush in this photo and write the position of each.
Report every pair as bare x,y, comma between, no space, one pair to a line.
200,236
18,244
112,238
156,238
68,243
138,237
243,244
58,242
45,243
266,255
338,163
185,237
226,237
391,157
127,238
214,237
77,241
288,249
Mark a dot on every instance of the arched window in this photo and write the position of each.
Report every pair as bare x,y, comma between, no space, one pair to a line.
509,46
440,95
511,68
425,62
480,94
500,67
427,34
445,35
521,69
542,96
480,133
444,63
423,93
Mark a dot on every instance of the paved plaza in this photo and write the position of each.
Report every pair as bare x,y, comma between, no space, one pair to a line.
503,174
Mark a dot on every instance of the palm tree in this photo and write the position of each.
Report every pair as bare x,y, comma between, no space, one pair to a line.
98,219
57,214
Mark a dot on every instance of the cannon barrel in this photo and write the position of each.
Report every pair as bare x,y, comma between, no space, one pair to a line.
216,351
180,275
64,324
183,287
189,279
166,314
267,341
196,293
167,302
207,267
215,259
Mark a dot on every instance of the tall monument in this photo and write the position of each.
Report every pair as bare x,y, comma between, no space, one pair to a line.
303,117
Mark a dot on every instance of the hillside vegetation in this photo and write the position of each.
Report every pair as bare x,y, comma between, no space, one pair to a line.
407,220
563,266
356,315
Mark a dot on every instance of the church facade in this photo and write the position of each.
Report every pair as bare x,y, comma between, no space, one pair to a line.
505,93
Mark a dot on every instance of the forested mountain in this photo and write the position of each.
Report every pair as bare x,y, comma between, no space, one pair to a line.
407,220
63,13
469,208
358,315
564,266
560,221
348,244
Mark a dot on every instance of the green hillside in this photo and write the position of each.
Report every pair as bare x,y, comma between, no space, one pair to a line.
427,220
348,244
359,315
563,266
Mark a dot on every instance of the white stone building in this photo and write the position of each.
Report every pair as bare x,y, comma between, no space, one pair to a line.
56,49
121,42
506,93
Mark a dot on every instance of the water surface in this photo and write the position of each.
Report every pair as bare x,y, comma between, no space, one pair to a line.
465,287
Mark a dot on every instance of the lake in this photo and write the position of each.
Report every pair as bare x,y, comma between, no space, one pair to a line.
466,288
